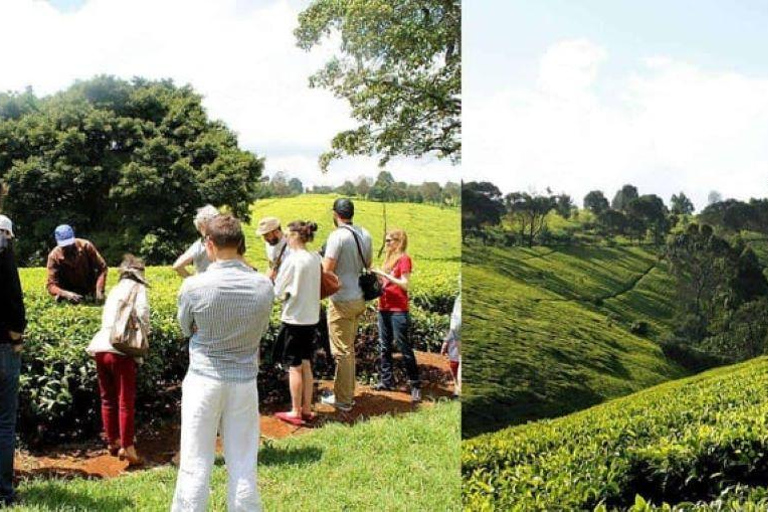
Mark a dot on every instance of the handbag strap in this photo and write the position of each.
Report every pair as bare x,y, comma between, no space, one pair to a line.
359,248
279,260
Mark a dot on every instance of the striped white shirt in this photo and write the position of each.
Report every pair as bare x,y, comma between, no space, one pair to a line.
229,304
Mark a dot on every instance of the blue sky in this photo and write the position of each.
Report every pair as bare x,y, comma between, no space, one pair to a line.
241,55
633,64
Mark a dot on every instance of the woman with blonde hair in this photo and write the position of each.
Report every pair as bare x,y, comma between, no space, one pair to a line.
394,318
117,371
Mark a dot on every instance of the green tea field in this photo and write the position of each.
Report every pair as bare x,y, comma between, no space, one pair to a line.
694,444
549,331
58,388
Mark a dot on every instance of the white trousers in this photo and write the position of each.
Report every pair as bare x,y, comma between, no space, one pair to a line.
207,404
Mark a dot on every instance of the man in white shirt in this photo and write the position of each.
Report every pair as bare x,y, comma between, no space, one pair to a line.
225,311
342,257
275,244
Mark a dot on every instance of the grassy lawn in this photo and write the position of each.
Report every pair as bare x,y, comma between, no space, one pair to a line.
410,462
548,330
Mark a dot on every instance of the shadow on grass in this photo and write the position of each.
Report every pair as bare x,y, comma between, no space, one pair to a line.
47,495
269,455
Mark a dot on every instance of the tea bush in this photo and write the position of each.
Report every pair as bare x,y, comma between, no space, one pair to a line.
59,392
693,444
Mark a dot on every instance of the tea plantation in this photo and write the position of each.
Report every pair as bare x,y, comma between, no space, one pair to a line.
699,443
549,331
59,398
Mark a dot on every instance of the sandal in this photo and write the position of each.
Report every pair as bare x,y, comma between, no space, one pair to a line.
288,418
133,460
113,449
309,417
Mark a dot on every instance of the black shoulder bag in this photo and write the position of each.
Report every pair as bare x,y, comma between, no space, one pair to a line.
368,281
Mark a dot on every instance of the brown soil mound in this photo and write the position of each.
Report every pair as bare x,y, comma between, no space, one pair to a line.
159,447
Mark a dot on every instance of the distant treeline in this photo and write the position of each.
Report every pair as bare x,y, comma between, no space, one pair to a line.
383,188
521,218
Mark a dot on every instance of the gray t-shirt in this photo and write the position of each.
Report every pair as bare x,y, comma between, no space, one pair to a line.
199,257
341,247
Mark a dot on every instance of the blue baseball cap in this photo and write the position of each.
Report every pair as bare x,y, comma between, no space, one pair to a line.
65,235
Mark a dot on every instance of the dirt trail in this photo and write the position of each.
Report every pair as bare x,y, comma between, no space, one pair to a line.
91,460
631,285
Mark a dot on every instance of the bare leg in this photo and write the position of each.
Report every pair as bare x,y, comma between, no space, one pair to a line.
306,404
296,383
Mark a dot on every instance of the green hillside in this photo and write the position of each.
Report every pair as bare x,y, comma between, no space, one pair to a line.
699,443
548,330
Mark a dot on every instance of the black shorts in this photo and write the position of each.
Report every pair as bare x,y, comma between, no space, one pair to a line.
298,343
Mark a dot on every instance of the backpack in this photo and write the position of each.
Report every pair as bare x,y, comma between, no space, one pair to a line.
128,335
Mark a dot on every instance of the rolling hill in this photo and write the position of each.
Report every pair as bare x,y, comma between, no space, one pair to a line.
547,331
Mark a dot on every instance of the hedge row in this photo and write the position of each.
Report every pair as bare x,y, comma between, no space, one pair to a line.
59,393
694,444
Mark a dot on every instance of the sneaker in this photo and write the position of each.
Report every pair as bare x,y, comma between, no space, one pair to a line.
331,400
383,387
415,395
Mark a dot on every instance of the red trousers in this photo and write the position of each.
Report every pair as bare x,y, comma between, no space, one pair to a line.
117,386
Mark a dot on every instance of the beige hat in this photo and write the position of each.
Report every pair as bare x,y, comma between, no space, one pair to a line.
267,224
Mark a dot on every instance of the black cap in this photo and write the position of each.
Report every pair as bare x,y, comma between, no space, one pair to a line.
344,207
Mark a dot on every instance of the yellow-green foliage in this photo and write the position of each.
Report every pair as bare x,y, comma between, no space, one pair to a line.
699,443
434,235
547,330
58,390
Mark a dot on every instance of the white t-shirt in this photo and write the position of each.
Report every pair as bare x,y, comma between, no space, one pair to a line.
274,251
299,279
342,248
198,255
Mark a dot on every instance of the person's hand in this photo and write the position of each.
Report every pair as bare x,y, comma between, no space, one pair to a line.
100,295
74,298
16,337
444,349
271,274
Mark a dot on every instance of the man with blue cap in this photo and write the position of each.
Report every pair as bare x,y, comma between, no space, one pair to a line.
76,270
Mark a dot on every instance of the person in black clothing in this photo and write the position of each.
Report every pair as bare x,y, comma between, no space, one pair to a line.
12,324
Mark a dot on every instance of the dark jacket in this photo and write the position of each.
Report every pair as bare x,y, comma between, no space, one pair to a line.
12,313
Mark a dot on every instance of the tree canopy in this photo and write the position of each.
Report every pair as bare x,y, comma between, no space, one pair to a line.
481,204
126,163
399,67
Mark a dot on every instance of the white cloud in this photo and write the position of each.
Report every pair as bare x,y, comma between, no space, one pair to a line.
570,67
243,60
666,126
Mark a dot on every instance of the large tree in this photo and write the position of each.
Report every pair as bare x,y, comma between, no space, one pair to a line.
681,205
529,212
399,67
596,202
126,163
648,212
623,197
481,204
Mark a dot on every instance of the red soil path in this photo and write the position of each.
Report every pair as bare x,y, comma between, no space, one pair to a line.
91,460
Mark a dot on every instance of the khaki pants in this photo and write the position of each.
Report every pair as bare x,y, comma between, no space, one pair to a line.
343,319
